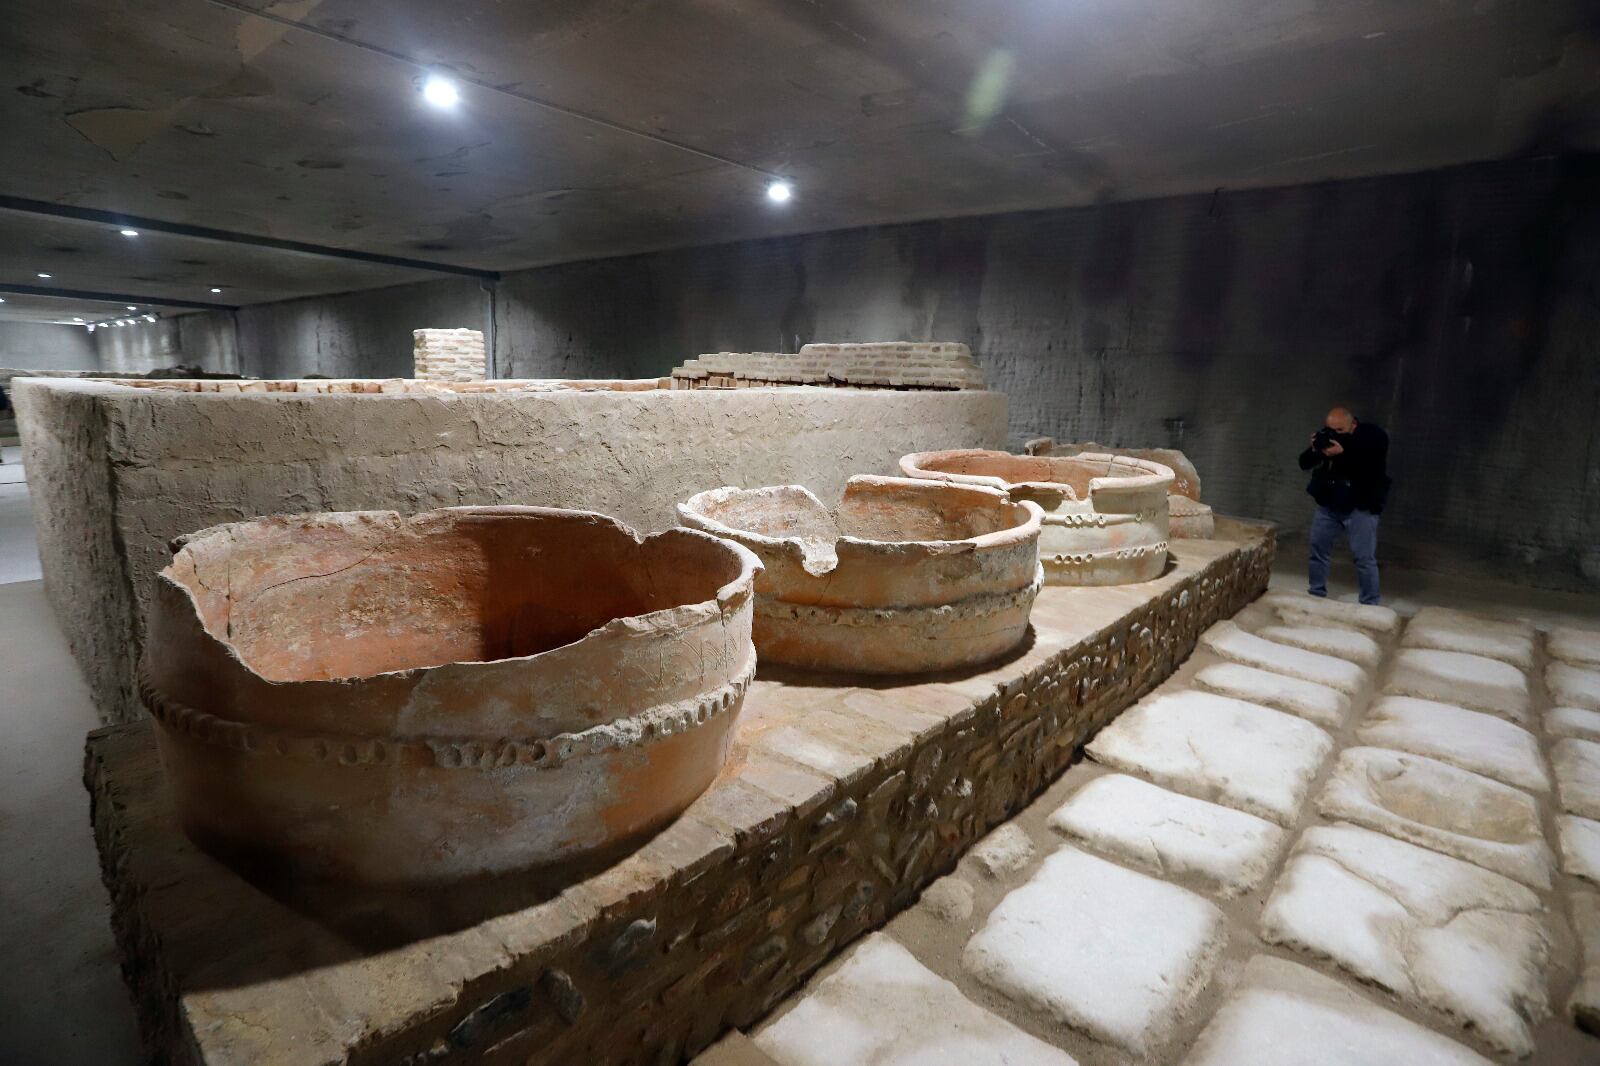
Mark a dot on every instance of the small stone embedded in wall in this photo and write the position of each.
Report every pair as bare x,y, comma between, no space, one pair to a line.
449,355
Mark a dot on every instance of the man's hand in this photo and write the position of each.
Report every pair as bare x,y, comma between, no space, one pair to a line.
1334,448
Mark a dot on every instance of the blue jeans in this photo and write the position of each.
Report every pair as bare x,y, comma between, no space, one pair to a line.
1361,528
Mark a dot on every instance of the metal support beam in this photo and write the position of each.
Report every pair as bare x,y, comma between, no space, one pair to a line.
206,233
123,298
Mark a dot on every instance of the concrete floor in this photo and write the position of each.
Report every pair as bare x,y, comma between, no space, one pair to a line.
61,996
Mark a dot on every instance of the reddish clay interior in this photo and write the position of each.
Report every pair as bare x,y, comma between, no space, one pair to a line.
921,512
466,588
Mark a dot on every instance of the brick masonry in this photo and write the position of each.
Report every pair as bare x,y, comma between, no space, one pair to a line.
450,355
880,365
840,803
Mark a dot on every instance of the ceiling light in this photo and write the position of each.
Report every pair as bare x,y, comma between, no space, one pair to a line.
129,232
149,318
779,192
132,308
440,91
77,320
42,275
216,290
2,301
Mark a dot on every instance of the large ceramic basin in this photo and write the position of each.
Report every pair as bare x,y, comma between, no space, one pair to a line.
1105,516
904,576
466,691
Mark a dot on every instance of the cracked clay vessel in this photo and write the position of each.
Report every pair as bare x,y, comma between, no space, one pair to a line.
903,577
414,699
1105,516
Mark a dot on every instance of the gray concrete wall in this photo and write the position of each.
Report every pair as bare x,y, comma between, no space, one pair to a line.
358,334
206,341
1456,307
46,346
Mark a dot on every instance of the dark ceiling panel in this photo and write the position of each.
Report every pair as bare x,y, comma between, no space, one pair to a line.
192,111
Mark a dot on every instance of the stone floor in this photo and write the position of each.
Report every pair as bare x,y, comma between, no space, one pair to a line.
1398,870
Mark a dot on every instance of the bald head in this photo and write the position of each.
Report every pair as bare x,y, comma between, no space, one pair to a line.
1340,420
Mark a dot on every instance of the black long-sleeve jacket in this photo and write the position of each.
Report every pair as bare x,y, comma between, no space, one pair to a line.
1357,479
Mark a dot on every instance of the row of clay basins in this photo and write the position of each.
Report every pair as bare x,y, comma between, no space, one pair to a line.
399,699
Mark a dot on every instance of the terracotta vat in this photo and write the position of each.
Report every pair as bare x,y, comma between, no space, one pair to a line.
1105,516
1188,518
902,577
411,699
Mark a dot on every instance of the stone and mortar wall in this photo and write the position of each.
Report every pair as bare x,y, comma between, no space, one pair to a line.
118,471
832,819
453,355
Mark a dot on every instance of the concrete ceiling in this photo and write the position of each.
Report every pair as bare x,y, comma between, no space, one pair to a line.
590,129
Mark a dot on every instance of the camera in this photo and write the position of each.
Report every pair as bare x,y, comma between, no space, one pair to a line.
1324,437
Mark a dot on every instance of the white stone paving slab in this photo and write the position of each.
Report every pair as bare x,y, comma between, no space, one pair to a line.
1300,605
1511,640
1580,647
1580,846
1441,807
1341,643
1217,748
1003,852
1282,1014
1102,949
1572,722
1311,701
1435,931
1472,740
1171,835
884,1008
1234,644
1472,681
1577,767
1573,686
949,899
1584,1005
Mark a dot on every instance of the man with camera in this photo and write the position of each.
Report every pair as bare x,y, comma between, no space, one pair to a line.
1349,480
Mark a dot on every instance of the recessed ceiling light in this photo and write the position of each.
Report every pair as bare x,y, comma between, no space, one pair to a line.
132,308
779,192
129,232
214,289
42,275
440,91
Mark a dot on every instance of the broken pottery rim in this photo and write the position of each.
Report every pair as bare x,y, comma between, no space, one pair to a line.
1155,473
729,596
691,512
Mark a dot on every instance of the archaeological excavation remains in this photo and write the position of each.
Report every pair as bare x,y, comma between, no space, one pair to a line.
528,535
902,577
1105,516
395,699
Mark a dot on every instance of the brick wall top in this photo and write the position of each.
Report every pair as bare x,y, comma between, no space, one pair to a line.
888,364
